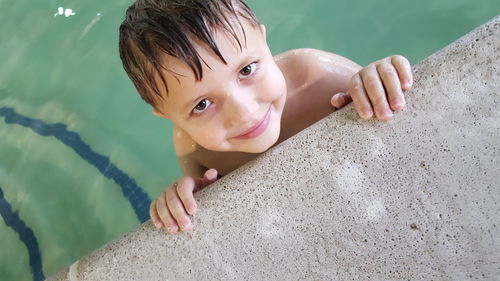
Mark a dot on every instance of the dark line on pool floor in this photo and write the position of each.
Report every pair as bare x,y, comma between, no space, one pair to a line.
26,235
135,194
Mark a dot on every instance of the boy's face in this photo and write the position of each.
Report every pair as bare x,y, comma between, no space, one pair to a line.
235,107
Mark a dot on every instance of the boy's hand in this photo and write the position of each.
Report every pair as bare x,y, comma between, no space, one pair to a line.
174,205
378,88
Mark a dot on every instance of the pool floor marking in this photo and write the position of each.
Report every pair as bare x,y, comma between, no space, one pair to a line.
137,197
26,235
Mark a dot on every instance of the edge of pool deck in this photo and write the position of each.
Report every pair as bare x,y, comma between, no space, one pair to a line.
416,198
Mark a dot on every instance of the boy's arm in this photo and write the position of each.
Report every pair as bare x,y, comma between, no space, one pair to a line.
325,71
312,78
172,208
375,89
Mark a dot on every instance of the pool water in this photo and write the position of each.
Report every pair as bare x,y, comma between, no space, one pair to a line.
81,155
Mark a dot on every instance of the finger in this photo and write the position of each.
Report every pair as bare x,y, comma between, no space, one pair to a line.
164,214
403,68
177,210
185,191
376,93
392,85
155,219
339,100
359,97
209,177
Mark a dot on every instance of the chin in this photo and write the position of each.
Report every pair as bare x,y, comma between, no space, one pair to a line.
259,149
264,143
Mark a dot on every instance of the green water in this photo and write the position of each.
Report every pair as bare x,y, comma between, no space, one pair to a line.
67,70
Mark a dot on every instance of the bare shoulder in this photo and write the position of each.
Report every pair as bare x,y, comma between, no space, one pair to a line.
185,151
312,78
314,58
305,67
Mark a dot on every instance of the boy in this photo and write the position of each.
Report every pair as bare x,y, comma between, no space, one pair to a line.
205,65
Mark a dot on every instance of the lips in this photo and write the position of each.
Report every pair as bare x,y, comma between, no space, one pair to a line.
258,128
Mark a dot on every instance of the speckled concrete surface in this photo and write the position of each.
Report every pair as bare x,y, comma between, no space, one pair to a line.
416,198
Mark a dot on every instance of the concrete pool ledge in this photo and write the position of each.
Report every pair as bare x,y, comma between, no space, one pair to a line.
416,198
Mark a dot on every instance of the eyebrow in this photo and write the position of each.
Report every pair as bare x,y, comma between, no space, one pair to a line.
189,105
246,59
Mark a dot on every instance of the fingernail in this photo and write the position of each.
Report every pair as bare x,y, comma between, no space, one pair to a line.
367,114
192,210
172,229
158,225
399,104
185,225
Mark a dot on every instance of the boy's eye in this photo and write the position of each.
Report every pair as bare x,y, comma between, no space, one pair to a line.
247,70
202,106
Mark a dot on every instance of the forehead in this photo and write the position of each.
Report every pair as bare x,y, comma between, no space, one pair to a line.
180,78
241,37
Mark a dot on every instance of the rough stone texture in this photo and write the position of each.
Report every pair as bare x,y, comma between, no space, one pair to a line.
416,198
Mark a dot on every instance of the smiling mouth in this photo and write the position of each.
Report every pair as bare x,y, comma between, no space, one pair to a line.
257,129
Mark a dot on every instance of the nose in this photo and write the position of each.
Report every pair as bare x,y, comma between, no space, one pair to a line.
240,106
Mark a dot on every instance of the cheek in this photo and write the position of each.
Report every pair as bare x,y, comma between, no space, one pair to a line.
274,83
207,136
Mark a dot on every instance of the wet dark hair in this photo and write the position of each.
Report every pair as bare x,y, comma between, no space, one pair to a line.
153,28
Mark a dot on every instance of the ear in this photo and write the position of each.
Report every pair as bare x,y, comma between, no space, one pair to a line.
158,113
263,30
